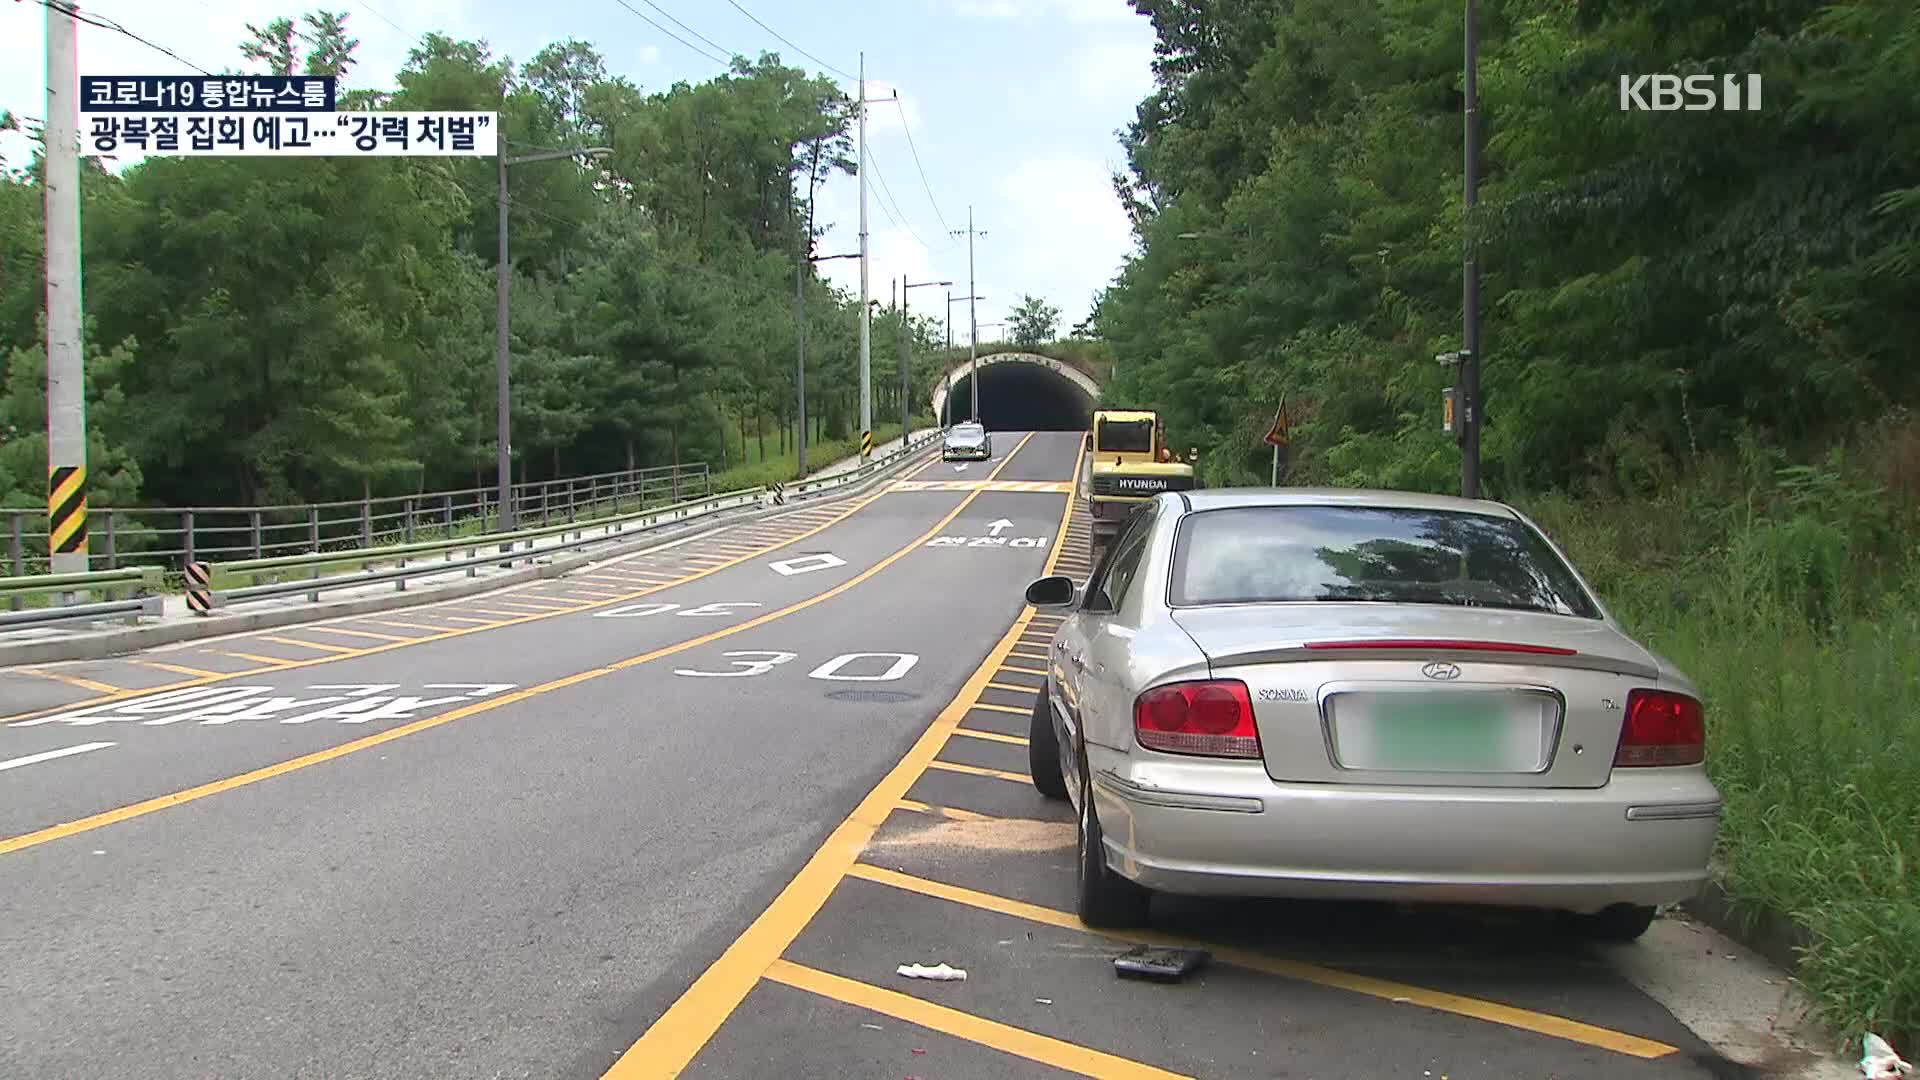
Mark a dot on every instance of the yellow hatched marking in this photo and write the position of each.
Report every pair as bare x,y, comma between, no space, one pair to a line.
298,643
993,736
976,770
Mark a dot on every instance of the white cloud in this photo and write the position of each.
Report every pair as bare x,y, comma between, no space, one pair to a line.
986,9
1076,10
649,55
1065,234
1114,71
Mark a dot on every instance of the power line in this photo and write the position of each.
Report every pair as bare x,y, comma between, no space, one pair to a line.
108,24
789,44
371,10
690,30
908,128
643,18
903,222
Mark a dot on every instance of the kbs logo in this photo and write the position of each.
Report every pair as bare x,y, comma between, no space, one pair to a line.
1694,93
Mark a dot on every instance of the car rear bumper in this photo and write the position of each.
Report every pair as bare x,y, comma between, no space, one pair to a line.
1227,829
953,453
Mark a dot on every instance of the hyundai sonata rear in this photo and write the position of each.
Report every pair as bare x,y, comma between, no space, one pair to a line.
1378,701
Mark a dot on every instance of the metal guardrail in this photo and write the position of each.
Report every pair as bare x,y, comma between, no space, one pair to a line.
174,536
138,582
520,545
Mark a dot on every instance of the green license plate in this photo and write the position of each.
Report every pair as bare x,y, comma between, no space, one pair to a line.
1437,733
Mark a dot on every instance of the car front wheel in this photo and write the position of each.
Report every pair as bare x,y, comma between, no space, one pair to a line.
1105,899
1043,750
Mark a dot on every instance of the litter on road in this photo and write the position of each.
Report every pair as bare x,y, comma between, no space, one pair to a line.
1159,964
939,972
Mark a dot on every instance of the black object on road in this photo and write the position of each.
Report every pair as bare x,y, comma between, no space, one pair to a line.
1159,963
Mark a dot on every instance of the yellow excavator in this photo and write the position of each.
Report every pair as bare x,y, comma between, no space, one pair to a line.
1128,463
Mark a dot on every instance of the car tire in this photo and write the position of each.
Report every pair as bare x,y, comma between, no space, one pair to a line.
1104,898
1620,924
1043,751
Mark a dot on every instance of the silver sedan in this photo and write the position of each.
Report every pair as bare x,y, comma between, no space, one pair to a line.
1364,695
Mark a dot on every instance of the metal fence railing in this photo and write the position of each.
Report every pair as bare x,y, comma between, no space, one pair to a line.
170,537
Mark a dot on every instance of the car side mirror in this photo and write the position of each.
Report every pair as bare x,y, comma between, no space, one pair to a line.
1053,591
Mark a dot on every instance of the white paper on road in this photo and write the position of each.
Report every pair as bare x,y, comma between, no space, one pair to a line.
346,703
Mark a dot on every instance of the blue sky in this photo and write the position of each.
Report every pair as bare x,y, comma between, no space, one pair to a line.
1012,104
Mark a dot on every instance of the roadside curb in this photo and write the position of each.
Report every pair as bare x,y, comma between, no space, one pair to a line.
110,643
1774,935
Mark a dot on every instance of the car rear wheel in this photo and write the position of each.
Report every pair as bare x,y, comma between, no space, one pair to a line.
1620,923
1105,899
1043,750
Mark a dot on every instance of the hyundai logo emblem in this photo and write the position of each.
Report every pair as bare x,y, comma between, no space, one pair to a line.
1442,670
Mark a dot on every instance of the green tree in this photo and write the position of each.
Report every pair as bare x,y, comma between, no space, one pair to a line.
1034,321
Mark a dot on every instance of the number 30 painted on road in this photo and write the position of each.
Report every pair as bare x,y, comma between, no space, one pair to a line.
829,671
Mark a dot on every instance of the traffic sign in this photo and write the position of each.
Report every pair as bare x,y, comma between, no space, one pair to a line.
1277,434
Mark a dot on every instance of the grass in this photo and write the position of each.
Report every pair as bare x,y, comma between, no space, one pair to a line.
784,467
1795,605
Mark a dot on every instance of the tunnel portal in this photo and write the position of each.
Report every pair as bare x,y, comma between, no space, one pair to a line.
1022,392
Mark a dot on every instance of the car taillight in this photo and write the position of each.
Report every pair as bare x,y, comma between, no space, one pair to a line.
1213,718
1662,728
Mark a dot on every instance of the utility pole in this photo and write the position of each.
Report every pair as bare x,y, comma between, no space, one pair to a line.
66,372
800,374
866,311
973,326
1471,413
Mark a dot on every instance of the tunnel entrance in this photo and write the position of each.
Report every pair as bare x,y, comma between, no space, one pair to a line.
1023,396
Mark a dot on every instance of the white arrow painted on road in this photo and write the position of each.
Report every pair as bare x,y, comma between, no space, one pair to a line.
959,468
999,526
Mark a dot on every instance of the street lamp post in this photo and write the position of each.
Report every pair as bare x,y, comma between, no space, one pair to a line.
906,400
502,352
1470,412
800,337
946,403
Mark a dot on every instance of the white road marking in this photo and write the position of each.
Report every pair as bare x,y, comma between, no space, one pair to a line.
997,527
902,663
751,667
352,703
988,541
65,751
805,564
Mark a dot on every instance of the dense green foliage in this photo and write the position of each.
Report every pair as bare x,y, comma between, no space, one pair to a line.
1678,307
266,330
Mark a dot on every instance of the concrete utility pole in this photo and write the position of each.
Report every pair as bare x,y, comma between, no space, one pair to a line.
66,371
866,311
502,353
906,391
800,375
1471,412
946,403
973,334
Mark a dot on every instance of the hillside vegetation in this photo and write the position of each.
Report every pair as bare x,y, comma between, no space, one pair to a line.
1701,332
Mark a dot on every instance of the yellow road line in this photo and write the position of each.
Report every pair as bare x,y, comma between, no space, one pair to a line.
163,802
670,1044
1018,655
177,669
1441,1001
298,643
440,633
1028,711
73,680
1010,686
953,812
529,603
993,736
1021,670
355,633
975,770
508,614
1005,1038
274,662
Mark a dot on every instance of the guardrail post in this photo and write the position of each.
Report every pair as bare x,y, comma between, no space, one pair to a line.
254,520
407,532
313,546
571,514
19,557
366,522
186,534
113,556
446,513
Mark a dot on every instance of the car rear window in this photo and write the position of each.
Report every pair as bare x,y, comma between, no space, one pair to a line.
1280,554
1126,436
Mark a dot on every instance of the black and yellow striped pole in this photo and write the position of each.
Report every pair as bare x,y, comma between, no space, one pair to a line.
866,444
67,510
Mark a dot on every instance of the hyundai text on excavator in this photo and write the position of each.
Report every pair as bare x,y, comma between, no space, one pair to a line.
1128,463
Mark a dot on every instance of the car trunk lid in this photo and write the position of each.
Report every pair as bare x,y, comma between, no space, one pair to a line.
1402,694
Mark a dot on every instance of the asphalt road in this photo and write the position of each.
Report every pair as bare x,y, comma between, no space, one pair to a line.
684,813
